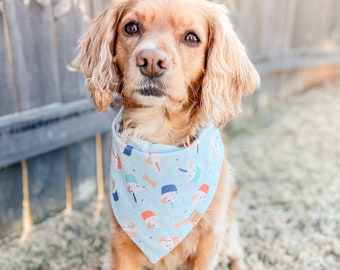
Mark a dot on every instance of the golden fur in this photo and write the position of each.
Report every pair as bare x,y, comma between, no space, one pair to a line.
178,66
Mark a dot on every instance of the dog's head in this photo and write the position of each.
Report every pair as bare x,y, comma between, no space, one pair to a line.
170,53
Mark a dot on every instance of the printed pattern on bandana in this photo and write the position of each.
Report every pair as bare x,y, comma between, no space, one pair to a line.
160,192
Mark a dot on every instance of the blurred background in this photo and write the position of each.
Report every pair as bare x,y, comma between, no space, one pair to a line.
54,146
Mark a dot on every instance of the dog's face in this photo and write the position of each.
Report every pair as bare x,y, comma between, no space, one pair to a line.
160,52
178,54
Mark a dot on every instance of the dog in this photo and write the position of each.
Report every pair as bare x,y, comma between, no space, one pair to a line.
179,68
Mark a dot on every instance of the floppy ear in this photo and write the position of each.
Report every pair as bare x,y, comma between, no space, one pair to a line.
229,74
95,58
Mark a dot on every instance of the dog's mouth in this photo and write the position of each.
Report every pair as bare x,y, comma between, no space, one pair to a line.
151,92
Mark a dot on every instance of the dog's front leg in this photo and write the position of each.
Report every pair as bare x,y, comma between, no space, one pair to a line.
235,249
124,262
125,255
207,256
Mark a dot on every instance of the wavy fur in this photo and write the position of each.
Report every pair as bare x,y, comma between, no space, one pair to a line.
229,73
96,49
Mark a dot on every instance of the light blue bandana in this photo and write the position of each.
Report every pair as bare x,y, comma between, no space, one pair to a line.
160,192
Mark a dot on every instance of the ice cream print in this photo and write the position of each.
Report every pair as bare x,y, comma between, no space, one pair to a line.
169,195
192,174
169,243
128,150
124,149
151,219
115,159
114,191
130,227
132,185
200,195
214,147
160,192
153,158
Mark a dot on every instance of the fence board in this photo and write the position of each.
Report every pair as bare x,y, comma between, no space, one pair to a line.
70,17
303,36
291,61
321,35
51,127
334,27
10,199
278,20
7,103
99,6
34,54
47,174
82,161
243,18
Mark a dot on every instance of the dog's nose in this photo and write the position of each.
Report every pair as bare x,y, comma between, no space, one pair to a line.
153,62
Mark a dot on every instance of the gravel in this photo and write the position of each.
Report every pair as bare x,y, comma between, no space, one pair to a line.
287,164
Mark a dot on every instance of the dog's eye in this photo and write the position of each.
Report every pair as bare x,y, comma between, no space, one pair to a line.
192,39
131,28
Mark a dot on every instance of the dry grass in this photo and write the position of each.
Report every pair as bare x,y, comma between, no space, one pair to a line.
76,241
287,162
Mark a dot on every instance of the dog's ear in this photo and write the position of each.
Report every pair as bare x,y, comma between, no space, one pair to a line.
95,57
229,74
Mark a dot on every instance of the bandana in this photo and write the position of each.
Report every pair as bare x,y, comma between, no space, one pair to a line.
160,192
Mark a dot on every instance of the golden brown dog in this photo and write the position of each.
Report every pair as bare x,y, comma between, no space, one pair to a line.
179,67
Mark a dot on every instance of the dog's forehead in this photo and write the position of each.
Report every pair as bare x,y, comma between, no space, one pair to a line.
178,13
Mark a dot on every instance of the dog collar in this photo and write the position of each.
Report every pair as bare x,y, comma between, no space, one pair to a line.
160,192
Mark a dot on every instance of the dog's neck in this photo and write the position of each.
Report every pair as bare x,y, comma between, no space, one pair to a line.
160,125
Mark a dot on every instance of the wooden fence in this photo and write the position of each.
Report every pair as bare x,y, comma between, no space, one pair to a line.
54,147
295,44
49,149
